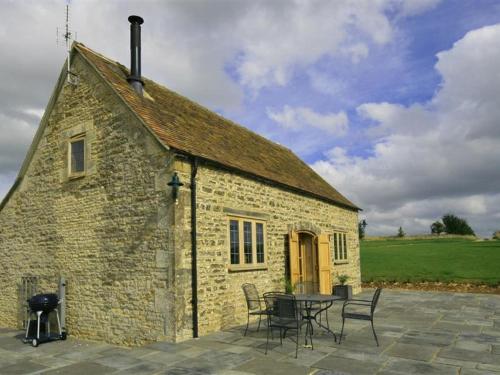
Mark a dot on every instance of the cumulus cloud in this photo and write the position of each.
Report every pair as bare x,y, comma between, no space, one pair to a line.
432,158
276,40
303,118
213,52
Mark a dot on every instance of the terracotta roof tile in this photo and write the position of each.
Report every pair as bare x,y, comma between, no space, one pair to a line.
186,126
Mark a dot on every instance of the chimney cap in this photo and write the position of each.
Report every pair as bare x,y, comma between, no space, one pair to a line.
135,19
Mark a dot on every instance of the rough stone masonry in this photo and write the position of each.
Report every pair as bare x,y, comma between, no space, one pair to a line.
121,241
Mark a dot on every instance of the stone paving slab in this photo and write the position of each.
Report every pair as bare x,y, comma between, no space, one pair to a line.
419,332
268,366
81,368
349,365
412,351
406,366
24,367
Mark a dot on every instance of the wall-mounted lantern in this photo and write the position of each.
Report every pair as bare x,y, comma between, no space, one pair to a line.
176,183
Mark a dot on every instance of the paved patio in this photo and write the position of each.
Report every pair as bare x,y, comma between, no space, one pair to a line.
419,333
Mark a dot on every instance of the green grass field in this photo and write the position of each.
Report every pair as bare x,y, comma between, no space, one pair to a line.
444,260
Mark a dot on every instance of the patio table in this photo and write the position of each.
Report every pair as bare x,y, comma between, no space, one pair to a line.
309,300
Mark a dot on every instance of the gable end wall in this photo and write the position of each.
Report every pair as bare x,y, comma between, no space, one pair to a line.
108,233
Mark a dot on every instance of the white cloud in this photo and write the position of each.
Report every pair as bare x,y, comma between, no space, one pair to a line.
275,40
324,83
414,7
303,118
356,52
432,158
16,136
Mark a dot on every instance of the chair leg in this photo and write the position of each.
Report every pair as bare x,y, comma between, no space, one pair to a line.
281,338
374,334
311,338
248,321
297,344
342,330
258,327
267,340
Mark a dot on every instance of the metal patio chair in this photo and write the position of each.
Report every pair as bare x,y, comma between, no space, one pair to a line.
372,304
254,304
284,315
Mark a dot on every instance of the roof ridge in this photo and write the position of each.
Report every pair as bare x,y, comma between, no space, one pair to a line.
81,45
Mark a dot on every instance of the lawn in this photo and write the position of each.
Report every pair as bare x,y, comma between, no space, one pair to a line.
444,260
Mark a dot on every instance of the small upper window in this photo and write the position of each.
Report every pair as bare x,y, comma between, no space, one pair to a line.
77,156
340,246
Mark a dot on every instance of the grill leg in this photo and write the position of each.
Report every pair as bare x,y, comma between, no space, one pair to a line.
58,323
38,314
28,326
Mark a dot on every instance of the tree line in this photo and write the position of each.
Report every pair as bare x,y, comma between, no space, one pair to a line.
452,224
449,223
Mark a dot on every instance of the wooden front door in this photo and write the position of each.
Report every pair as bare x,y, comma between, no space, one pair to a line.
309,261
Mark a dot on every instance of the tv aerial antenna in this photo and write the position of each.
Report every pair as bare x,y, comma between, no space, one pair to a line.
67,35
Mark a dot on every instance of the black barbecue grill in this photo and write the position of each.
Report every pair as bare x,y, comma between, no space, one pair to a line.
42,305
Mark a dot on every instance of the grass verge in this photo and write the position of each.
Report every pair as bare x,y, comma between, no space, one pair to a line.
431,260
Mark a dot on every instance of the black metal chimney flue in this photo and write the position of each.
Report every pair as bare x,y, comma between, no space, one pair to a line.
135,53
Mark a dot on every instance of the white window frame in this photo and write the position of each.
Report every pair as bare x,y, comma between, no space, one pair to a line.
242,266
340,247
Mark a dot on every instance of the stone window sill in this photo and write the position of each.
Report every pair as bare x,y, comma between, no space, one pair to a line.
75,176
246,267
340,262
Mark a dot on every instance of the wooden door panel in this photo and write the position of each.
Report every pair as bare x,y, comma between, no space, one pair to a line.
294,257
324,264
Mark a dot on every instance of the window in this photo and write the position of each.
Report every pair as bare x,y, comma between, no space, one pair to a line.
77,156
234,241
340,246
247,245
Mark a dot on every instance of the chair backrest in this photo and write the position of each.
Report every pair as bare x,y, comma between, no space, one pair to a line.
376,296
251,296
281,305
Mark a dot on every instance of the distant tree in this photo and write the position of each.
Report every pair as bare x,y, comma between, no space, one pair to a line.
401,232
456,225
437,227
361,228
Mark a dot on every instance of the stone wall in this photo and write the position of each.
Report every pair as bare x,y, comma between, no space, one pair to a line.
219,193
108,232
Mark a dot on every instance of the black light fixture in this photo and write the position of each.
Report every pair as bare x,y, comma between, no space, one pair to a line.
176,183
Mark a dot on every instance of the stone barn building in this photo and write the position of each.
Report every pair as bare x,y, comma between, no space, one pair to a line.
156,211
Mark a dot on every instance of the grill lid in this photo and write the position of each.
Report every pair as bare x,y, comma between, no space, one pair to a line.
44,302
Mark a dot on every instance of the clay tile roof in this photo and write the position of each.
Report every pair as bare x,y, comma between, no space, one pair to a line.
186,126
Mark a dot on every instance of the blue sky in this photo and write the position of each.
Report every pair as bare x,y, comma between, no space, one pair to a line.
401,71
393,102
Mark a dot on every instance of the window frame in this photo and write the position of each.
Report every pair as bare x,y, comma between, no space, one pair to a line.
242,266
340,247
74,139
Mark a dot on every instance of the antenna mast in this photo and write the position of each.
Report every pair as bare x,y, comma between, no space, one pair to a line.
68,37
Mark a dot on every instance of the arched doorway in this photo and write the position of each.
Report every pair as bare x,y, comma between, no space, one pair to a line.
310,262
